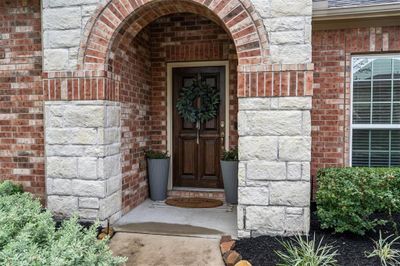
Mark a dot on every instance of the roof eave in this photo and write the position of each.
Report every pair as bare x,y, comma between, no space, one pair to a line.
354,12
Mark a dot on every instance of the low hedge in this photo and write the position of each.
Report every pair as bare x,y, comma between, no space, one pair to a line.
28,235
9,188
348,198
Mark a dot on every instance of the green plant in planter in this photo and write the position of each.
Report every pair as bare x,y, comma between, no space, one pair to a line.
152,154
230,155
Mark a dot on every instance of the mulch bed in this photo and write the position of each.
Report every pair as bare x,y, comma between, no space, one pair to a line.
351,247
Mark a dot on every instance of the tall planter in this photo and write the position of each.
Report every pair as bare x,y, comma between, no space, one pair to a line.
230,177
158,178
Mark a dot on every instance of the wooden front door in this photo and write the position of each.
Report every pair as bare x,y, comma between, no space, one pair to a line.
197,152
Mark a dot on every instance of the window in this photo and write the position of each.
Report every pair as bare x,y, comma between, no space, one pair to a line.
375,129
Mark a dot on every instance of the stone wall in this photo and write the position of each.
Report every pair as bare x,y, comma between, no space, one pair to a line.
273,46
83,160
64,23
288,25
274,168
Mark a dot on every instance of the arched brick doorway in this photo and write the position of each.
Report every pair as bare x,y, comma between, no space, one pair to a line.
285,88
237,17
117,34
137,60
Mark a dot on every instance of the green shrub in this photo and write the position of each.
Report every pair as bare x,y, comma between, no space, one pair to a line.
9,188
28,236
348,197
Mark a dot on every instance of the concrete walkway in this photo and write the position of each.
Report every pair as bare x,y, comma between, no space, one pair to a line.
163,250
158,218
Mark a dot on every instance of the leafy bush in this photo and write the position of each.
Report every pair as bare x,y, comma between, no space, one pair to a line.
151,154
305,252
347,198
230,155
9,188
388,255
28,237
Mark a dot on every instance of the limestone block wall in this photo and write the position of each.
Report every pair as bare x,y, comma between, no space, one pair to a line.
274,168
83,159
287,22
63,24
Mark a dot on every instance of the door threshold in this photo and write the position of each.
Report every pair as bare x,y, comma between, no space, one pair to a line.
197,189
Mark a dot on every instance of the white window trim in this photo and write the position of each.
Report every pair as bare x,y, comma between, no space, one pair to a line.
365,126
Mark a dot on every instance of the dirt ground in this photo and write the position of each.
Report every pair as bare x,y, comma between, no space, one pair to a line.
162,250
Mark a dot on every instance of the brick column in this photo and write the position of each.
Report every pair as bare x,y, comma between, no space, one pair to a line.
83,159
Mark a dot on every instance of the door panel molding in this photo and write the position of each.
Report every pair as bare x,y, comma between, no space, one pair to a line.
170,67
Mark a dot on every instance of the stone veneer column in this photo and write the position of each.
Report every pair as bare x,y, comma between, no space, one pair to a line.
274,169
83,159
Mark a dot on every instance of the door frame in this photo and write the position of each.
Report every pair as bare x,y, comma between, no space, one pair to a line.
170,67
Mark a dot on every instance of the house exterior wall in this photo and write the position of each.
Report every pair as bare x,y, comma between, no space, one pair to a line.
273,46
21,95
332,50
288,24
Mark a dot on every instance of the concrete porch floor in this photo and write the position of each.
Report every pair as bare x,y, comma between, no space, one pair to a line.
158,218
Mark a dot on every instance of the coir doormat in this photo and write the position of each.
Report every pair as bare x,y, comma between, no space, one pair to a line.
194,202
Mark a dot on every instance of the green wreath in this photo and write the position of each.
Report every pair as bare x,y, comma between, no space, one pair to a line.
209,102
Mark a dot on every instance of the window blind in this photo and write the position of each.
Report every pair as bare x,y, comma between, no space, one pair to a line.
376,111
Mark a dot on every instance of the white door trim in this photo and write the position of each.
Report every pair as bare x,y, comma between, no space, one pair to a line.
170,67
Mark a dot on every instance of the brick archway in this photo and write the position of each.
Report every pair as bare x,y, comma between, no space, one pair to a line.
237,17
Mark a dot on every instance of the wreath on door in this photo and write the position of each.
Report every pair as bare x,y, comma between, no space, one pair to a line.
209,102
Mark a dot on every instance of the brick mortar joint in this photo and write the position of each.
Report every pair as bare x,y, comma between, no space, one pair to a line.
243,68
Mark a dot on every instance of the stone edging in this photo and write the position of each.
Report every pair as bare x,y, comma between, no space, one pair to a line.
230,256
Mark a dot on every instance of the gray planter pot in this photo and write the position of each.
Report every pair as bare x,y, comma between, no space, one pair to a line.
230,176
158,178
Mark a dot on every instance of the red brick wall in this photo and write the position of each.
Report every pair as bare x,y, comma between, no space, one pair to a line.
132,63
332,51
140,64
21,108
